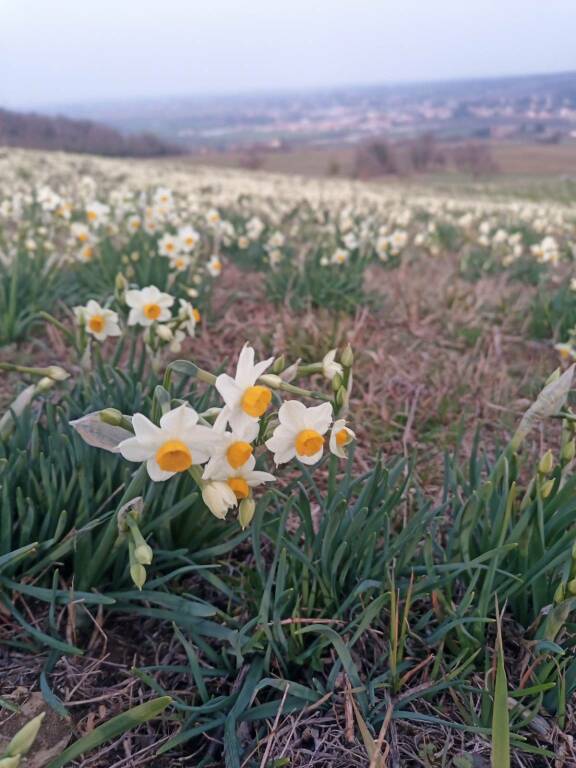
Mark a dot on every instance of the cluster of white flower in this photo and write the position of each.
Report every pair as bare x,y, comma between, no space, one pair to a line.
221,455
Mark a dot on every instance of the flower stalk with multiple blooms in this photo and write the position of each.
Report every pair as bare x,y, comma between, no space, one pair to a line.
225,449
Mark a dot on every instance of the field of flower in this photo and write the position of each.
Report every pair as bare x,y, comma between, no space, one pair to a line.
286,471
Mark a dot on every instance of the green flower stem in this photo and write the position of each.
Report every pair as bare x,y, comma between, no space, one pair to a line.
57,324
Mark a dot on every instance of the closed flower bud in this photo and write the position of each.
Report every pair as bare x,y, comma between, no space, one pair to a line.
347,357
121,283
164,332
546,464
546,488
111,416
143,554
271,380
138,575
279,364
569,451
559,594
341,397
25,737
246,512
10,762
336,382
572,587
57,373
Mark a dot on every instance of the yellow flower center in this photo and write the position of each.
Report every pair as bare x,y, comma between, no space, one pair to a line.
83,236
217,265
240,487
256,400
197,315
92,215
169,247
152,311
96,323
309,442
180,263
238,454
189,242
174,456
342,437
87,253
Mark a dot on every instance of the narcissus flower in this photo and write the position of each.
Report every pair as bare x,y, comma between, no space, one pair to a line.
214,266
86,253
176,445
168,245
245,400
99,322
300,433
148,306
189,316
340,438
180,262
188,238
243,479
233,450
340,256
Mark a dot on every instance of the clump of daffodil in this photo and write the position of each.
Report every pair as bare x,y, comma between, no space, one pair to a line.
226,449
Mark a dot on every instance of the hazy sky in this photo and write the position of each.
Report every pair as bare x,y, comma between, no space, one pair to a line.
57,51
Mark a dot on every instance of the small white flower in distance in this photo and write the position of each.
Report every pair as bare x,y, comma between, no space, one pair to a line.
214,266
148,305
329,365
180,262
340,256
177,444
168,245
245,400
340,438
188,238
189,316
99,322
300,433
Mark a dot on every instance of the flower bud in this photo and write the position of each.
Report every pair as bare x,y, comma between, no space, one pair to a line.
246,512
572,587
559,594
347,356
569,451
143,554
279,364
164,333
271,380
341,397
44,384
138,575
10,762
25,737
546,464
121,283
336,382
57,373
111,416
546,488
